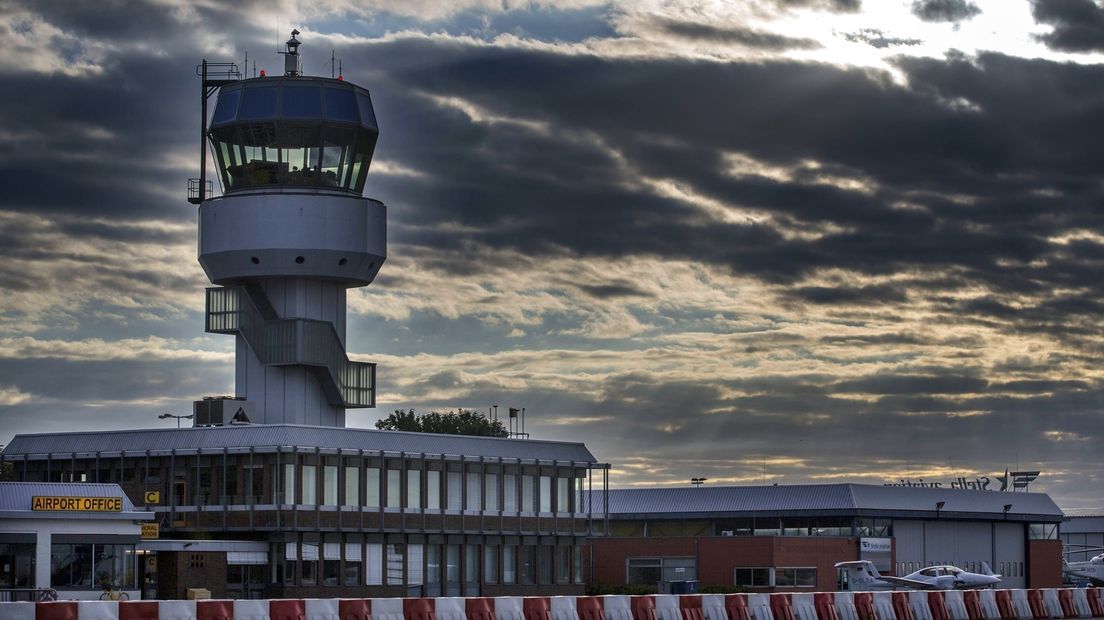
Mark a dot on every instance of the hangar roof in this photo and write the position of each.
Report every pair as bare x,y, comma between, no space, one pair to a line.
1084,525
270,437
826,500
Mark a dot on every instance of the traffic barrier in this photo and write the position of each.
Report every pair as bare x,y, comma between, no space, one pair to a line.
537,608
1035,603
972,604
616,607
19,611
1096,605
953,606
667,607
736,606
1080,602
1051,603
139,610
563,608
868,608
509,608
387,609
759,605
1020,604
177,610
824,606
418,609
801,603
920,604
642,607
883,606
214,610
781,607
101,610
450,608
690,607
479,608
713,607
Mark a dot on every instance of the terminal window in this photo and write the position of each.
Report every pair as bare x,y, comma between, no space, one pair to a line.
795,577
651,571
753,577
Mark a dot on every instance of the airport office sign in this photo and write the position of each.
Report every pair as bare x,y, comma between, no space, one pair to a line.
1019,480
77,504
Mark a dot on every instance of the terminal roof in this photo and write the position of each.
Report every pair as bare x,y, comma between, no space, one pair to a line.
827,500
17,496
269,437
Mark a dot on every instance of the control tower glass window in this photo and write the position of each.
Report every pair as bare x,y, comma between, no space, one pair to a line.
293,132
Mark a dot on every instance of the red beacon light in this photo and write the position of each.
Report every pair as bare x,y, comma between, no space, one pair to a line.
341,78
262,73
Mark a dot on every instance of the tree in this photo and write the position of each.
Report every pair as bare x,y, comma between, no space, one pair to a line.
462,422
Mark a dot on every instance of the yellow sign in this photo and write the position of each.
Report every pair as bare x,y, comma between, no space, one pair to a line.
153,497
77,504
150,530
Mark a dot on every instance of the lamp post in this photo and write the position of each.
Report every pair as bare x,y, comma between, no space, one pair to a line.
1007,507
938,508
166,416
697,482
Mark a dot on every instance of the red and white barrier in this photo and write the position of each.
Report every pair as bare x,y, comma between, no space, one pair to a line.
713,607
509,608
616,607
759,606
803,606
1035,604
954,603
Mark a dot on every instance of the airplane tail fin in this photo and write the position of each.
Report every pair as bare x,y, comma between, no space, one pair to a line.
985,570
860,572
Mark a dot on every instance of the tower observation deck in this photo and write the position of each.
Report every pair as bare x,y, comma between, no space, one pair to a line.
287,238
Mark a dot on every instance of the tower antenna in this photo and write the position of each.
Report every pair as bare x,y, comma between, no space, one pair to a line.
332,63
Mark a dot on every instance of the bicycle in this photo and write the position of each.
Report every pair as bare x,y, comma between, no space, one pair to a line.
112,593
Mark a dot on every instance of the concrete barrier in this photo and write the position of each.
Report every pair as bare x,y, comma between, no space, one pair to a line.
713,607
588,608
643,608
1035,604
883,606
667,607
736,605
479,608
450,608
971,601
801,603
616,607
508,608
759,606
387,609
1080,602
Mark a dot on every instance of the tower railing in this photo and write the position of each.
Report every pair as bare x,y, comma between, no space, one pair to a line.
293,342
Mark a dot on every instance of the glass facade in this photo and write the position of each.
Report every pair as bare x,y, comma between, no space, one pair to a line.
92,566
304,132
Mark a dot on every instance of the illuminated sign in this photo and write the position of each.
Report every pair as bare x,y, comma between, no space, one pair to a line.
153,497
150,530
876,545
1019,481
77,504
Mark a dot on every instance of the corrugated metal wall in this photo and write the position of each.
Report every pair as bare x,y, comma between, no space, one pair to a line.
962,543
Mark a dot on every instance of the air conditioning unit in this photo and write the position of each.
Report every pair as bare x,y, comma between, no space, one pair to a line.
728,532
222,411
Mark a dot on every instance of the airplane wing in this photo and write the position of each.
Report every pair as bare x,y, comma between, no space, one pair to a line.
915,584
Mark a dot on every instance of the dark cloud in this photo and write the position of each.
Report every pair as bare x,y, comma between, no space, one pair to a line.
614,290
945,10
842,294
1078,24
733,35
876,38
842,6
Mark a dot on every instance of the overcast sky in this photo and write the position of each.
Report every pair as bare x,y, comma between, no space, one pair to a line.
780,241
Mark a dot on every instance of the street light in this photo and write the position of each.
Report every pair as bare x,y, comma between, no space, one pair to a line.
697,482
166,416
938,507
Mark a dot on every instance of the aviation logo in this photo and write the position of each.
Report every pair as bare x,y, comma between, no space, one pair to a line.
1018,479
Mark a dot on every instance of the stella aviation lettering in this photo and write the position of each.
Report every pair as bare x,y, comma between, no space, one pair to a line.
979,483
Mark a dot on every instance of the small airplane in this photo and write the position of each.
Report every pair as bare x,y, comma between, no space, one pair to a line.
862,576
1091,569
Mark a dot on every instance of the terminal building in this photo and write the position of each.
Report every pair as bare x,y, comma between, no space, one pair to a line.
788,538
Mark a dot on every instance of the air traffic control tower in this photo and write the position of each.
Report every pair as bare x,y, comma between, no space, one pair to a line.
287,238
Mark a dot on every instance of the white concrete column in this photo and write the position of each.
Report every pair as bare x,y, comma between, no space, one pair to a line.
42,559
